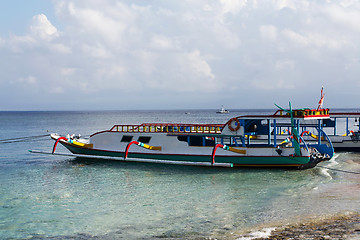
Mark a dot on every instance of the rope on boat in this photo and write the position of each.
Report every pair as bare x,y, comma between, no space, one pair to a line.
23,139
332,169
338,170
225,147
157,148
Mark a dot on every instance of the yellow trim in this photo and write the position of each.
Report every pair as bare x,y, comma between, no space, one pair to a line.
157,148
84,145
237,150
251,136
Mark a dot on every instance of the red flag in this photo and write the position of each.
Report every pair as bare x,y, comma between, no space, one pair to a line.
321,99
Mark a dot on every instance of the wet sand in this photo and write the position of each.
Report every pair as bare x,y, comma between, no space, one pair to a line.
342,226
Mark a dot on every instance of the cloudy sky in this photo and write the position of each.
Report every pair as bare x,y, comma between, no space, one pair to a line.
189,54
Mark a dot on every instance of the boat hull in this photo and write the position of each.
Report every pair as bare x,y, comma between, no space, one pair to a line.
343,147
345,143
236,161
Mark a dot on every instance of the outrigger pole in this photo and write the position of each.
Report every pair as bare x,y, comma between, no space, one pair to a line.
121,159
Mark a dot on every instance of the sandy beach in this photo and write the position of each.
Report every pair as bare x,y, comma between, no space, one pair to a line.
341,226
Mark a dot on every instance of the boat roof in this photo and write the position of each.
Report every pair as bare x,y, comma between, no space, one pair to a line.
345,114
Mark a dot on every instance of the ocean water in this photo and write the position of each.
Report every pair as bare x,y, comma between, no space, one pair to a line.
55,197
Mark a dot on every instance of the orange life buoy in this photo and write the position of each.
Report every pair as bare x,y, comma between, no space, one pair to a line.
237,124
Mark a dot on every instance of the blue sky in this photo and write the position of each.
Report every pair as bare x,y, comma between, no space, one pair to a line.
190,54
16,14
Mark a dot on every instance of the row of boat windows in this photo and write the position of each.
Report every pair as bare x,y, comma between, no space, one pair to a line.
191,140
143,139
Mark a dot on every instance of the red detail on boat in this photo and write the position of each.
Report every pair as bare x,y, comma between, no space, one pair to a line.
302,134
60,138
127,147
321,99
214,151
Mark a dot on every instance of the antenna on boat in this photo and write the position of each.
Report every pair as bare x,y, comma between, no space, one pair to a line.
294,131
321,99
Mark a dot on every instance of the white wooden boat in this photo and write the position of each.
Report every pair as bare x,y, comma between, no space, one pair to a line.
232,144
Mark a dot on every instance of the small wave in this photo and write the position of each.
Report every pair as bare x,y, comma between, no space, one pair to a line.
263,233
332,162
325,172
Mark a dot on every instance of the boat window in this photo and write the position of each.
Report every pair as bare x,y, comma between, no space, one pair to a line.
144,139
197,140
182,138
126,138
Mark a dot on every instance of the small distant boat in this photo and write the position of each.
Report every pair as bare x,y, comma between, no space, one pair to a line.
223,110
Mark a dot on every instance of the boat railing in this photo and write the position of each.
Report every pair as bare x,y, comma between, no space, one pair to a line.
166,127
304,113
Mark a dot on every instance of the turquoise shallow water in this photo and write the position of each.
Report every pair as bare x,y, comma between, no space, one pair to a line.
52,197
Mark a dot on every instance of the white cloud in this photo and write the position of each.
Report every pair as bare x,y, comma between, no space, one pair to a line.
292,4
18,44
269,32
226,37
313,39
60,48
284,64
101,21
348,3
41,27
30,80
199,65
194,66
111,71
41,35
68,71
146,61
161,42
345,17
295,37
97,51
194,47
232,6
